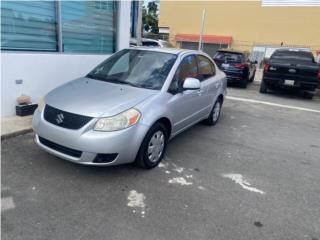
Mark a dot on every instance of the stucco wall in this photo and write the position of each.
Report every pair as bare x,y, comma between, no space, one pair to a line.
246,21
41,72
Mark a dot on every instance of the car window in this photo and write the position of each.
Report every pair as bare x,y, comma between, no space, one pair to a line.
228,56
206,68
187,68
150,43
292,55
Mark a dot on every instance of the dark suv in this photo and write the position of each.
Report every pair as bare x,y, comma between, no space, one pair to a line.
236,65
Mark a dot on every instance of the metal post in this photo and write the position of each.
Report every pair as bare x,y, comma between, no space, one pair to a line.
201,29
139,23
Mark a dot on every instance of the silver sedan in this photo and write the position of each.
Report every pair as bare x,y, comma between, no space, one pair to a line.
129,107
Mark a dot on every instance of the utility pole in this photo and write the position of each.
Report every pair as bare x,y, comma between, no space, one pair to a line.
139,23
201,29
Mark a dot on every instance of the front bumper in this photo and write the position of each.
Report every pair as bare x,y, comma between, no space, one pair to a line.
125,143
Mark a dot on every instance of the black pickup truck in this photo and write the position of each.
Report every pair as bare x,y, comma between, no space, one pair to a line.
291,68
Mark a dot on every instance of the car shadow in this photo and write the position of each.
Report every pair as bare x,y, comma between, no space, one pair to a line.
290,93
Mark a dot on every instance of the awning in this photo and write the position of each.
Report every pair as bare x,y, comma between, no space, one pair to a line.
205,38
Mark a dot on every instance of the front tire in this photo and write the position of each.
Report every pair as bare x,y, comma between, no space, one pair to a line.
215,113
153,147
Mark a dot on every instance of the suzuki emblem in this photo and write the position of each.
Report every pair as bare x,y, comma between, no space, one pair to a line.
59,118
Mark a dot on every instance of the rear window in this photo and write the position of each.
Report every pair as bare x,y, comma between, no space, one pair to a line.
228,56
150,44
292,56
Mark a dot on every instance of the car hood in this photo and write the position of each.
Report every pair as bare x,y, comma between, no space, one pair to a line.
96,98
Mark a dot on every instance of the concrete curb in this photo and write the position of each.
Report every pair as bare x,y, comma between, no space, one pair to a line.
15,134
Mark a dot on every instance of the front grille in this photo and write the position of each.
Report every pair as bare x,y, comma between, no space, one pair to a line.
60,148
64,119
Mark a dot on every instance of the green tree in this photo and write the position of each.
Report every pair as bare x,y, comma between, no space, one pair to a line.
150,17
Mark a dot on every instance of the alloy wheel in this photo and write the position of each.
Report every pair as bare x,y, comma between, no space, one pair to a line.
156,146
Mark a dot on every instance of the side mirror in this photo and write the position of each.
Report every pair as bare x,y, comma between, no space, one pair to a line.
191,84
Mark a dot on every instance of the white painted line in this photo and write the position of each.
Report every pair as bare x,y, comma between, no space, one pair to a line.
272,104
238,178
7,203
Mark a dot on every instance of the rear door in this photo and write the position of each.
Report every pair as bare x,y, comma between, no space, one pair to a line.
209,83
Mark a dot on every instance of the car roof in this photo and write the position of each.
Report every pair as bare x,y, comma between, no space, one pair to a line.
177,51
292,50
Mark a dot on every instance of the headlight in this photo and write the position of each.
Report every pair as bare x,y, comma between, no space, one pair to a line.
121,121
41,104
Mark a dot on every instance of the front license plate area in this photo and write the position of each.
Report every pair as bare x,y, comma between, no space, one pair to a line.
289,82
225,65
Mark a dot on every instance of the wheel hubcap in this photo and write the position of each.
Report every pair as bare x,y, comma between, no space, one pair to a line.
156,146
216,111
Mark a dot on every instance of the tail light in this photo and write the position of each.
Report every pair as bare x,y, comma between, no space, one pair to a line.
266,67
240,65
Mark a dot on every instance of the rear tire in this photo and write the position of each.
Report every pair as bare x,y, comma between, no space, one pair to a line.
263,87
153,147
308,95
215,113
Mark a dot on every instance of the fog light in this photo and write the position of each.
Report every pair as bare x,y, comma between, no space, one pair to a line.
105,158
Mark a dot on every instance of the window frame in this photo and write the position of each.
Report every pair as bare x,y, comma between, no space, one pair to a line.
31,51
59,47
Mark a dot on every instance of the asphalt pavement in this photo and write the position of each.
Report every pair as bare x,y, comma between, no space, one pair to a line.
255,175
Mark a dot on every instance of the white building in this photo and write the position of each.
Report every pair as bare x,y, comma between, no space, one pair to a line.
48,43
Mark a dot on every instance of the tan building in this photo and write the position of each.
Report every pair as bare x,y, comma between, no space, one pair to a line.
243,25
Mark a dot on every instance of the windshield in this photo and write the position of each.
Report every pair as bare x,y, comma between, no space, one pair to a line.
293,55
228,56
138,68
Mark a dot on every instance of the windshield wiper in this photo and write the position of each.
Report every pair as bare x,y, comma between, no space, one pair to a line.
112,80
95,76
124,82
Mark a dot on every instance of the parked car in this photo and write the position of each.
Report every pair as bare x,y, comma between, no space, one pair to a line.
291,68
151,43
128,107
236,65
